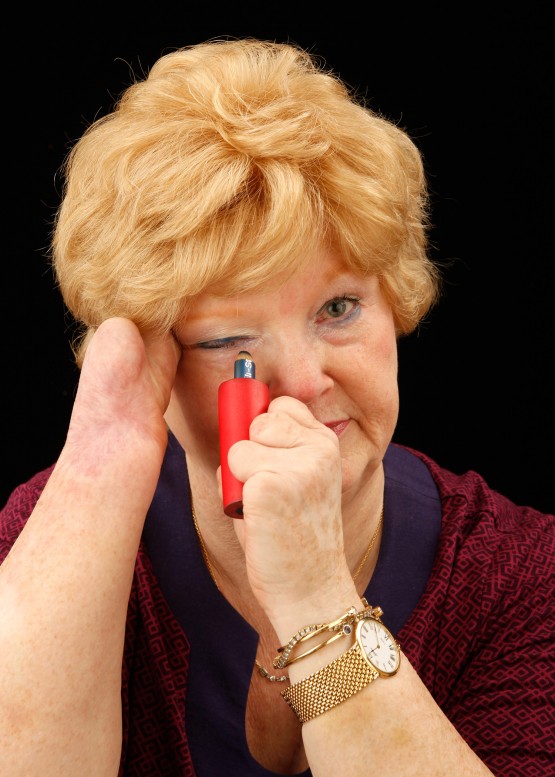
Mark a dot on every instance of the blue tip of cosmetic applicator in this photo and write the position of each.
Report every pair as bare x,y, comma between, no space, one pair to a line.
244,366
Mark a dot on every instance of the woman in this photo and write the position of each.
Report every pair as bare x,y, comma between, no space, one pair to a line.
239,205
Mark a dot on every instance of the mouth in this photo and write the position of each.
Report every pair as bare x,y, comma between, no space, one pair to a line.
338,426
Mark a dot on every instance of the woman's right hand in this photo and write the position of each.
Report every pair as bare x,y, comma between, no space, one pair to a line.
123,392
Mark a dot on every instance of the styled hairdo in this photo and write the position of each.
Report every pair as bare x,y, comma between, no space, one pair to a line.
225,168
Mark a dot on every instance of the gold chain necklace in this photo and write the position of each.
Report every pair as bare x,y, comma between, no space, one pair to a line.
261,669
369,548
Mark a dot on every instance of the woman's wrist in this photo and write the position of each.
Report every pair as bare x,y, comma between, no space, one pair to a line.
326,608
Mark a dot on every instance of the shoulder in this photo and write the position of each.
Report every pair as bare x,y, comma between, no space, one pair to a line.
19,507
492,551
467,496
481,529
493,568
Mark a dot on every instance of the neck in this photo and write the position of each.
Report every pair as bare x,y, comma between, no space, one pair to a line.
218,533
224,558
361,517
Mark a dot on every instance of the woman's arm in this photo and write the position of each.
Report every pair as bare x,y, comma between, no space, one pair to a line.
292,536
64,586
393,726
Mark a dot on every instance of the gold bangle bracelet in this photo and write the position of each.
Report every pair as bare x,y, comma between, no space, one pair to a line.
281,661
344,632
342,626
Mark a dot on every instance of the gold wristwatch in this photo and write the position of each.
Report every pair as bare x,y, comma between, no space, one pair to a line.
374,654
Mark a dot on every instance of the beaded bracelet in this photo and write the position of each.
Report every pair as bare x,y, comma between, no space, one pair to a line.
341,627
281,661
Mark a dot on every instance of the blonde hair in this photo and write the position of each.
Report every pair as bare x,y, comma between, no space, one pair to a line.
225,167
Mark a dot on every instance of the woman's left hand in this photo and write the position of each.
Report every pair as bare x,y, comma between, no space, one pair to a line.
292,532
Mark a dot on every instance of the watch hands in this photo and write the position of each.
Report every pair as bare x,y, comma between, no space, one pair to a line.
377,639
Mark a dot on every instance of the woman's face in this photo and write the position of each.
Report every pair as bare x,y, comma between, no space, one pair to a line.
325,337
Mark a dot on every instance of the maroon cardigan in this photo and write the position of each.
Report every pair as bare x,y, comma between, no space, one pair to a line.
482,637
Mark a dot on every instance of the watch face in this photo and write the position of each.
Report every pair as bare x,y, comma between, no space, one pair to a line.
378,646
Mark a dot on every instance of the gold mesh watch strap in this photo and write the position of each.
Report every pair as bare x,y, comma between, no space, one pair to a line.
321,691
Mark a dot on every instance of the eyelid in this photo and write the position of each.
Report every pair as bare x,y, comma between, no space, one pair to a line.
219,342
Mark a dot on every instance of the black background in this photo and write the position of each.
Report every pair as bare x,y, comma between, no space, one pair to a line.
474,90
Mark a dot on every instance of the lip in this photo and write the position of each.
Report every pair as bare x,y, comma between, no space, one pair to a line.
338,426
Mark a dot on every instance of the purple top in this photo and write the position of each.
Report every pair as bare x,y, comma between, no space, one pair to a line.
219,679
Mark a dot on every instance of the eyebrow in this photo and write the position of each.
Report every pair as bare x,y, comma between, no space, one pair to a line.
226,309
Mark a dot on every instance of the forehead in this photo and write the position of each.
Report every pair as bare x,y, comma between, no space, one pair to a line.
324,270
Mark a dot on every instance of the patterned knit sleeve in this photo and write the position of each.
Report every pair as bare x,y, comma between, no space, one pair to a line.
503,702
18,508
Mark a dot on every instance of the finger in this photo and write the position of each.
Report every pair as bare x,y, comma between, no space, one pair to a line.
114,358
288,424
296,409
248,458
125,378
163,354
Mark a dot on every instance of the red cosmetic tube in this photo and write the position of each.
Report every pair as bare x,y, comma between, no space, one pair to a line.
240,400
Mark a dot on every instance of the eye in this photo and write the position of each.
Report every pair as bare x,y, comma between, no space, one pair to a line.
339,308
221,342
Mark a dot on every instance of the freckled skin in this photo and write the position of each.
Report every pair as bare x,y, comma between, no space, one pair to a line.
309,495
325,344
349,374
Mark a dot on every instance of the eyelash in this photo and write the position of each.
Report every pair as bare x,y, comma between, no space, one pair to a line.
220,344
224,343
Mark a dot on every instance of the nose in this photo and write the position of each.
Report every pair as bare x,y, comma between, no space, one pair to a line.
297,368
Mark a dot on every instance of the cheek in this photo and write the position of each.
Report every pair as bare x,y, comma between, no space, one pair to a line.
375,361
374,381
